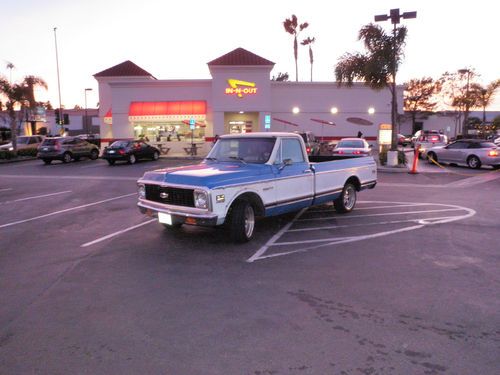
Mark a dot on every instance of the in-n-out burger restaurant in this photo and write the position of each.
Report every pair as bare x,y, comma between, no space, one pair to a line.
240,97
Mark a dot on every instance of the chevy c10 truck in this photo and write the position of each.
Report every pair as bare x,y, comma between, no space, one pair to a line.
252,175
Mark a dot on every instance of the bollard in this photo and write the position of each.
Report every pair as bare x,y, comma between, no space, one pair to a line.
415,161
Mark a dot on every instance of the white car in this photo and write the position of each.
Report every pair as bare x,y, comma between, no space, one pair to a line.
427,141
24,142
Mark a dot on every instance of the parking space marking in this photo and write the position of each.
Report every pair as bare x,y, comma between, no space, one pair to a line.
382,214
117,233
69,177
374,207
471,181
95,165
6,189
65,210
36,196
420,222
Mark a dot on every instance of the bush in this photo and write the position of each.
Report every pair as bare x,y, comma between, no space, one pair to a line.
27,152
401,157
6,154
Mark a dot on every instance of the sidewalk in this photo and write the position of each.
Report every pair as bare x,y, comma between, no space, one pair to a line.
423,165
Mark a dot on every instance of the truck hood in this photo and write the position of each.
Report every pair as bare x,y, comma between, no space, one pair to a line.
210,174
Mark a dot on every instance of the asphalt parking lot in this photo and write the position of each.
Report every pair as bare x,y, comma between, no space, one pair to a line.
407,283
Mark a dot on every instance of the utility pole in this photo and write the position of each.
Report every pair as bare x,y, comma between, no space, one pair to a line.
61,116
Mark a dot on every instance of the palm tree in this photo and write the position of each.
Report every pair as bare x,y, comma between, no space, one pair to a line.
293,28
378,67
10,66
485,96
308,42
22,95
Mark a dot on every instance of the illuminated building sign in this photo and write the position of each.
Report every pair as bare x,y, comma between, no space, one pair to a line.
240,88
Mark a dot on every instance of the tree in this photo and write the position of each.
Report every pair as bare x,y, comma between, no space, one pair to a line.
420,96
486,95
282,77
19,95
459,91
10,66
30,82
378,67
307,42
293,28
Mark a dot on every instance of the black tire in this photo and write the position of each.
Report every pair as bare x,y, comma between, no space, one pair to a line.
76,158
473,162
347,200
132,159
496,167
111,162
47,161
241,222
156,155
94,154
66,158
431,155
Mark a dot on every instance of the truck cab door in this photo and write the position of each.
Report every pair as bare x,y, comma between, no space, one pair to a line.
294,177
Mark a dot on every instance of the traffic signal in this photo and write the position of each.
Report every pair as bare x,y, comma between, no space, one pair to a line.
58,116
66,119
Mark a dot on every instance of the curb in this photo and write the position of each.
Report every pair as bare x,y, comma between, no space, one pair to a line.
16,160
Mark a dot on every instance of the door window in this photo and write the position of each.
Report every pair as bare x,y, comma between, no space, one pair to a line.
292,149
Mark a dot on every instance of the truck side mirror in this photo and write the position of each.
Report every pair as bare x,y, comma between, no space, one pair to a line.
285,163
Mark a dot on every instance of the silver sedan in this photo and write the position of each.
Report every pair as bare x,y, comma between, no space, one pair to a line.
352,147
471,152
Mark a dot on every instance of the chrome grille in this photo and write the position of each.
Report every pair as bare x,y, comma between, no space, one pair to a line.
170,195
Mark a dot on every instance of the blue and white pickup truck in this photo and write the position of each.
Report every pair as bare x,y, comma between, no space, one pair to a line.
252,175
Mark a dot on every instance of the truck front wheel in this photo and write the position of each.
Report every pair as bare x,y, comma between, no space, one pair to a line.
241,221
347,200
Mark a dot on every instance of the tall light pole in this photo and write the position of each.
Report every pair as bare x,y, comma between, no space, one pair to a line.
395,17
467,102
483,97
61,117
86,119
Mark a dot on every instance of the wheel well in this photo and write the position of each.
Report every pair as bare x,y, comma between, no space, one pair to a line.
254,200
473,156
355,181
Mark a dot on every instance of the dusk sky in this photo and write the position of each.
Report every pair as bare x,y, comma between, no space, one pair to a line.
175,39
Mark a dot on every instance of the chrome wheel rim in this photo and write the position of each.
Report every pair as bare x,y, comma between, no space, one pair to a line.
156,156
249,221
349,197
473,162
67,158
132,159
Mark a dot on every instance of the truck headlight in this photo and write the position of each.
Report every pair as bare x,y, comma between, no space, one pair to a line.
200,199
142,191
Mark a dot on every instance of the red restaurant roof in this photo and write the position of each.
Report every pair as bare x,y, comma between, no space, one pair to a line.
125,69
240,56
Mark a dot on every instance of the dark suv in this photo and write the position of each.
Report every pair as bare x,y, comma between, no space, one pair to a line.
66,149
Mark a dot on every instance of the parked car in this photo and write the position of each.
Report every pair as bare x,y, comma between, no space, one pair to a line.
66,149
427,141
352,147
91,138
24,142
403,140
419,133
130,151
312,145
470,152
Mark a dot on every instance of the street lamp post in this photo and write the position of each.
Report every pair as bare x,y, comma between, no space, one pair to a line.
86,118
467,102
483,97
395,17
61,116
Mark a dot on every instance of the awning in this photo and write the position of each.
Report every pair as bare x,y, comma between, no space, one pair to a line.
108,117
170,111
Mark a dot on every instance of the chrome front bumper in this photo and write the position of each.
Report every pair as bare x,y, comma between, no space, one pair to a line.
180,215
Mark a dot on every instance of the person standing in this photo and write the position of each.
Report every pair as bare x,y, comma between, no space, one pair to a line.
360,135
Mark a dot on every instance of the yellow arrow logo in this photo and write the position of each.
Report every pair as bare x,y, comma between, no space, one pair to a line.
249,87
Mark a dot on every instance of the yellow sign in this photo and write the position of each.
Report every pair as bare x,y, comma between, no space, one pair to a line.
240,88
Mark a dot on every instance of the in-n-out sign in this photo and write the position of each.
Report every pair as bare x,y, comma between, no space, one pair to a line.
240,88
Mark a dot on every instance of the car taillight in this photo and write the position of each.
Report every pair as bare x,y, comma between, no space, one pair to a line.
308,149
356,152
434,139
493,153
121,151
340,152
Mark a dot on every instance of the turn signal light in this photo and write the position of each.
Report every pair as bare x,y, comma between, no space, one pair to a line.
493,153
190,220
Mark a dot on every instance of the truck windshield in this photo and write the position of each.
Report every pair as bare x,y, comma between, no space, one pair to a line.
248,150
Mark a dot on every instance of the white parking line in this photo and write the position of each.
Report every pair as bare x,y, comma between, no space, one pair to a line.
117,233
65,210
384,214
6,189
374,207
36,196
